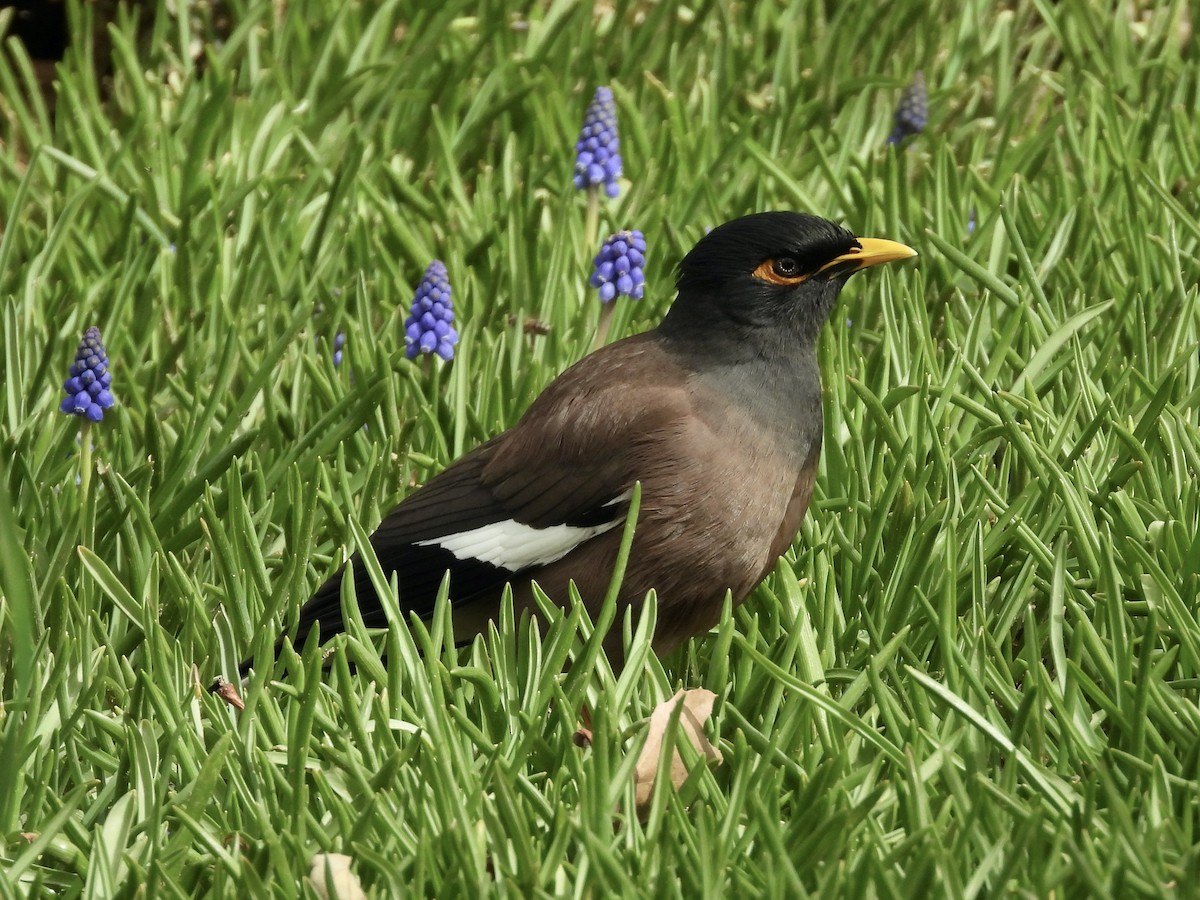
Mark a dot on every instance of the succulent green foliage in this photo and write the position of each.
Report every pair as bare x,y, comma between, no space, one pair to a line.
976,673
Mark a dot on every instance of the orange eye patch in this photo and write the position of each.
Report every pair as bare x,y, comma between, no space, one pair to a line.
775,271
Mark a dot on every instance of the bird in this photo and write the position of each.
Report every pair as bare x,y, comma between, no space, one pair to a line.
716,413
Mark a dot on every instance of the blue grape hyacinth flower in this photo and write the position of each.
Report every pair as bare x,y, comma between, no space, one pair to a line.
912,112
339,341
598,150
429,327
619,267
87,388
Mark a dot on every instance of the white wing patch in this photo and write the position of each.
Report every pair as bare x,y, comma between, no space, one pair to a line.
513,546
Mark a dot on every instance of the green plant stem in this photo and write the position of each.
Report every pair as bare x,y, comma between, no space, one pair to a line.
605,323
591,228
85,460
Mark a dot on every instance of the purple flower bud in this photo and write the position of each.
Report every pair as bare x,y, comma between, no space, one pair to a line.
429,326
618,267
912,112
86,388
598,150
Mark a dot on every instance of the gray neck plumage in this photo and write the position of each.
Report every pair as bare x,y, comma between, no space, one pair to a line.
770,373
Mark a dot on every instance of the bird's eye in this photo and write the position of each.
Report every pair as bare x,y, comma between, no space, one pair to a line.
786,267
784,271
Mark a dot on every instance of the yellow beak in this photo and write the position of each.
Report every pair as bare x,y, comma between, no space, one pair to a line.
870,252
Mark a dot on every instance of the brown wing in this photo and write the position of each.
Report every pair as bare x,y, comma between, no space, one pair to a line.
565,463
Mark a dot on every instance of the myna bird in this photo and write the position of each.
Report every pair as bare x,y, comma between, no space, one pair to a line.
717,412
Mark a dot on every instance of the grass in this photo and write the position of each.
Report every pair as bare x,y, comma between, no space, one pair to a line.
977,672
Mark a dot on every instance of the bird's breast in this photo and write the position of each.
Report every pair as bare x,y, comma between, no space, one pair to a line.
732,503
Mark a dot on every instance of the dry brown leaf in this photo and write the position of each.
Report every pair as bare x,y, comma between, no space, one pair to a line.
697,707
333,870
227,691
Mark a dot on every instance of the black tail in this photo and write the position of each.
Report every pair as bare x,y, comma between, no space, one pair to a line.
323,610
419,569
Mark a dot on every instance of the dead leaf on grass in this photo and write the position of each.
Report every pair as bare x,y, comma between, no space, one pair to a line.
227,691
697,707
332,878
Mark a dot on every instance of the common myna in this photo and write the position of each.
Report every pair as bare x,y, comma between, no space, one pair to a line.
717,412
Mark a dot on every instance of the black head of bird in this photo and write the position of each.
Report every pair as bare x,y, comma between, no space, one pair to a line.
716,414
776,272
